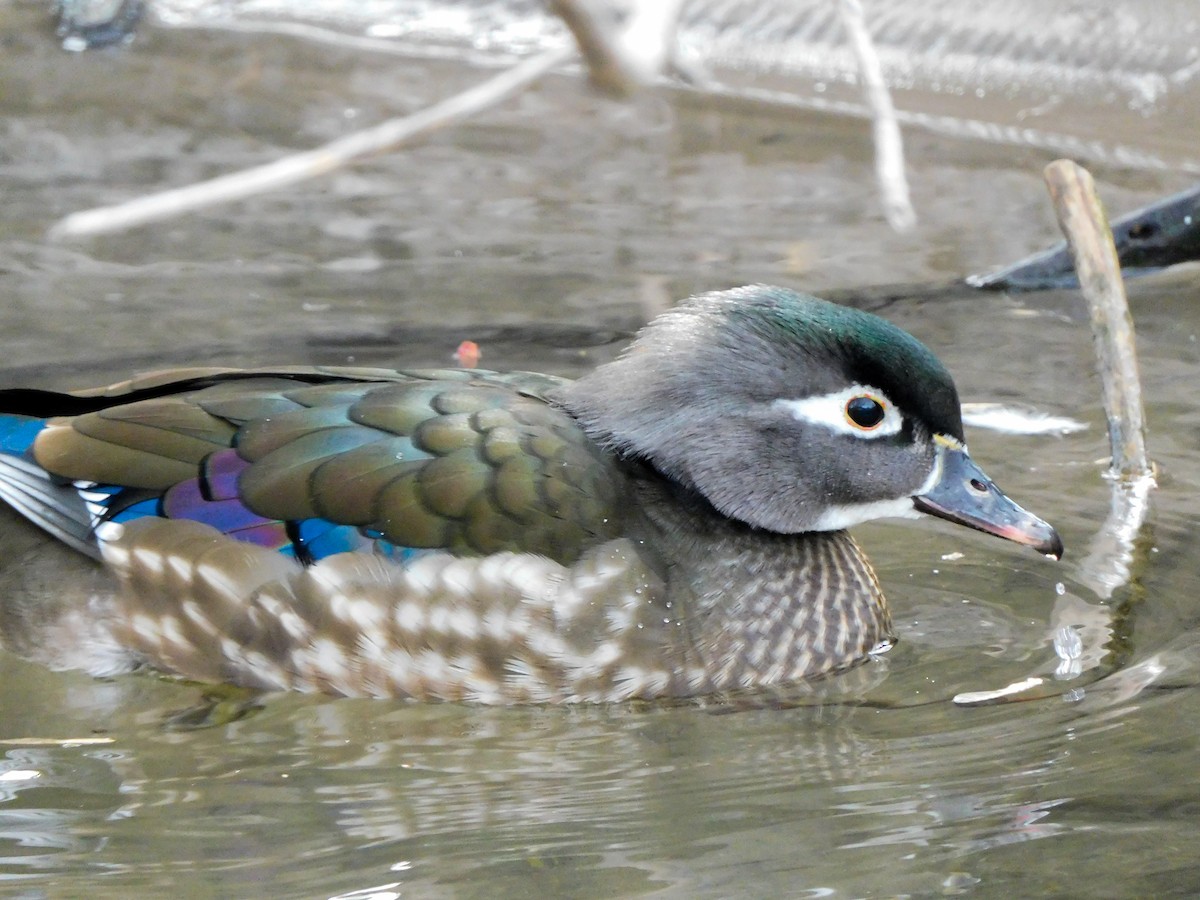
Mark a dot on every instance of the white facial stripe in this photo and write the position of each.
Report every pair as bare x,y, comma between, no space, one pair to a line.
829,411
837,517
935,474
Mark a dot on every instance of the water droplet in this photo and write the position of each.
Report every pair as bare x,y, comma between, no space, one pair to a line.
882,647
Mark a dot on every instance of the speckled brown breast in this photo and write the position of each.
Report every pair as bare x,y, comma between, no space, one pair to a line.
508,628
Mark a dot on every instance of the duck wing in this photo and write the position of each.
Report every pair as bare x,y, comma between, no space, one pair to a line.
313,461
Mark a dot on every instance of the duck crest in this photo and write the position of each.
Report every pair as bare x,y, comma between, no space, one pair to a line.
667,526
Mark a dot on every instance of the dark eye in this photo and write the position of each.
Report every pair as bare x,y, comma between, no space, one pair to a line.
864,412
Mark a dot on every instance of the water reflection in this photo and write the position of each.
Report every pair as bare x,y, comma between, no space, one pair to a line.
544,238
596,800
45,798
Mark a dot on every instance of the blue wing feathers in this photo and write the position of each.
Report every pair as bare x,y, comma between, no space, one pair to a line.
49,502
70,511
17,433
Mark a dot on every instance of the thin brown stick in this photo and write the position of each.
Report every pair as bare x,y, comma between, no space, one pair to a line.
1081,630
1113,553
1082,219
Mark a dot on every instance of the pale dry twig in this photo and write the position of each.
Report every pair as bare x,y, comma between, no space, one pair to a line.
889,146
310,164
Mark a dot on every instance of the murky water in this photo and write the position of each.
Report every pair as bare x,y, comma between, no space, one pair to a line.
547,230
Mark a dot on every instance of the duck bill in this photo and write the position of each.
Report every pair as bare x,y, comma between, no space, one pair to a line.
964,494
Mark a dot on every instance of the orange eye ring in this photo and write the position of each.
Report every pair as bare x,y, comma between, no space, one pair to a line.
865,412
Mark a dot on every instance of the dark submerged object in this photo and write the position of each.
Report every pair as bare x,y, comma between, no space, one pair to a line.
672,524
1154,237
93,24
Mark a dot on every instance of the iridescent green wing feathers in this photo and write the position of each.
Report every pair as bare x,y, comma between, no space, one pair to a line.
470,461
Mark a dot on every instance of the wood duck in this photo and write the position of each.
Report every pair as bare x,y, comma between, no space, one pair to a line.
671,525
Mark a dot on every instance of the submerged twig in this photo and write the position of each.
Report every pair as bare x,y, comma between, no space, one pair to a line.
311,163
889,147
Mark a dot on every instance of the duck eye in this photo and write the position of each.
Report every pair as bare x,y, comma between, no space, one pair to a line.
864,412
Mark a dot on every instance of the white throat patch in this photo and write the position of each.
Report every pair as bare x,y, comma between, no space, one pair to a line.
836,518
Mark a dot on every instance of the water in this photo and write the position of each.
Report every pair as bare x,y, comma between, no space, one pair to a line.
546,231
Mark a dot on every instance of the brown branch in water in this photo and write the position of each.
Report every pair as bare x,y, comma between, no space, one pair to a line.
1082,220
1113,554
312,163
1082,631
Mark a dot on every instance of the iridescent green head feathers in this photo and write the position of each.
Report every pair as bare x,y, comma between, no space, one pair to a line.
838,340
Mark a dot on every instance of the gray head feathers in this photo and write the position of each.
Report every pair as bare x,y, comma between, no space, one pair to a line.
696,396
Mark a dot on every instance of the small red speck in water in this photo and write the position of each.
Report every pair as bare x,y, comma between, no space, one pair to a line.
468,354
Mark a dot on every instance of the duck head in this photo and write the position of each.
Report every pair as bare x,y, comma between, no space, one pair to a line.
791,414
